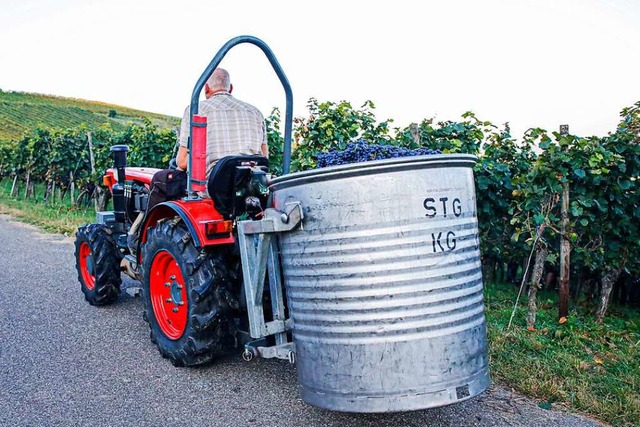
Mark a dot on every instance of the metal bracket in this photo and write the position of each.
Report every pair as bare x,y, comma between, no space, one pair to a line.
259,255
275,221
258,348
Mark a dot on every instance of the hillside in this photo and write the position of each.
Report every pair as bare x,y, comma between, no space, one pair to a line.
22,112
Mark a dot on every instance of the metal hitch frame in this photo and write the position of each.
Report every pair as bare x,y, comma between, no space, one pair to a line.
259,256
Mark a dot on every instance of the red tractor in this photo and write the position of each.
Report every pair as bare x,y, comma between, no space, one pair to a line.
188,257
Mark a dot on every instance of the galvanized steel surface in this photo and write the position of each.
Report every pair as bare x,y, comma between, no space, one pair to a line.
384,284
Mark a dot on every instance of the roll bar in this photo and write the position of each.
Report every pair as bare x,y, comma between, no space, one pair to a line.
283,79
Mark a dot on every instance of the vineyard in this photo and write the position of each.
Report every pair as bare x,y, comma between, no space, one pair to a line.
546,191
22,112
547,201
558,217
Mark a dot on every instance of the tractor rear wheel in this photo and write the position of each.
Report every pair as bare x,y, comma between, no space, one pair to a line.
187,300
98,264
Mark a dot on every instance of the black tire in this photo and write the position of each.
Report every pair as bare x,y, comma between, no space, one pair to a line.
206,328
98,264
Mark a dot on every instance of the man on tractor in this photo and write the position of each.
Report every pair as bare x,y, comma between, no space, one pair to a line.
234,128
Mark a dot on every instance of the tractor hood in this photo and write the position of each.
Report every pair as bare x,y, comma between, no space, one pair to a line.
141,175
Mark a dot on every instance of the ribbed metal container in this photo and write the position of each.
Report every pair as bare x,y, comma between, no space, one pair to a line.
384,284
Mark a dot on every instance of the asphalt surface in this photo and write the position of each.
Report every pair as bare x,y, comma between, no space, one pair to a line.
66,363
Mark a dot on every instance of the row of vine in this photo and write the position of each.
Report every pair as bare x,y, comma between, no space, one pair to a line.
519,182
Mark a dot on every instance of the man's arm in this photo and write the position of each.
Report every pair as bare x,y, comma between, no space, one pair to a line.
183,152
182,158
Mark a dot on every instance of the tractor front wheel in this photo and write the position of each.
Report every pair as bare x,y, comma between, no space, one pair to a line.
98,264
186,295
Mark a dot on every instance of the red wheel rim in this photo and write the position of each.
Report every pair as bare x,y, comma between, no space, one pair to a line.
168,295
87,266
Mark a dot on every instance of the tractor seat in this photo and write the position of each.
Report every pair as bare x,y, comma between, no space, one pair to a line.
223,180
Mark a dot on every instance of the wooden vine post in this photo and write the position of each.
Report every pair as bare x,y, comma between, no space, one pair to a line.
72,188
91,157
565,245
28,181
14,187
414,129
538,267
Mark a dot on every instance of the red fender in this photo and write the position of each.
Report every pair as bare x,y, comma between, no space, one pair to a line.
205,224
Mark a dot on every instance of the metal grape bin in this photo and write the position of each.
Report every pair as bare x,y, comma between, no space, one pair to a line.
384,284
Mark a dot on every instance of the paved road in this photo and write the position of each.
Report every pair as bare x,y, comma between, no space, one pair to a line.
65,363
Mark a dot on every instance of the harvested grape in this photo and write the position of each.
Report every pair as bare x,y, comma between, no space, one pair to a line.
361,151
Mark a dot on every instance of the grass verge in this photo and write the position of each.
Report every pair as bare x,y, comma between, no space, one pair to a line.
578,366
59,217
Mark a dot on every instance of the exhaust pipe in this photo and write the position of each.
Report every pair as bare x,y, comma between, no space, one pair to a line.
120,163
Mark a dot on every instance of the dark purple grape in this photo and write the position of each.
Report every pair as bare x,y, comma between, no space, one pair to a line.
361,151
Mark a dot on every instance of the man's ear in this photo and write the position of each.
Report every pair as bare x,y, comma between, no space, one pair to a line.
207,89
230,87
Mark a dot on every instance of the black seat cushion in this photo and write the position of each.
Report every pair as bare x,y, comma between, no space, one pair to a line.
223,180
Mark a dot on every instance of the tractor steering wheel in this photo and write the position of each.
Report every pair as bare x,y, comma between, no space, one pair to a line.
173,164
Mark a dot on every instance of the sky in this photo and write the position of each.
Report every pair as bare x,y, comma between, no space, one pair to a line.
532,63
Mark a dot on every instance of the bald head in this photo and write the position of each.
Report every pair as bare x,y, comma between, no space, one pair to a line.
219,80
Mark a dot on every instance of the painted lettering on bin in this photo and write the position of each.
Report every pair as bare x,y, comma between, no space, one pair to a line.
443,241
444,207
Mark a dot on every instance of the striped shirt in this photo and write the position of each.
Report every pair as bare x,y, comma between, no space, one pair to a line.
233,127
